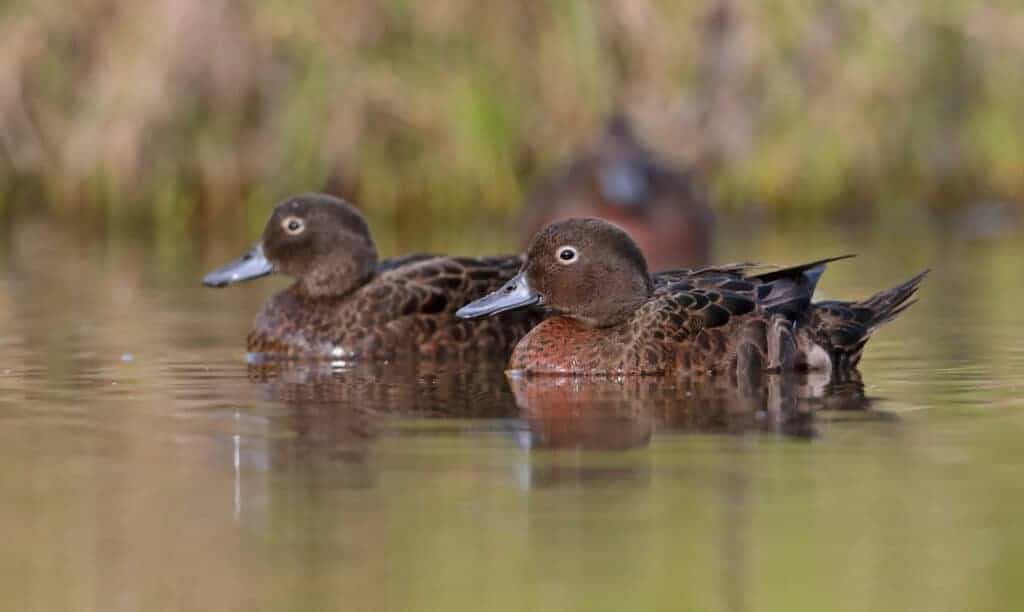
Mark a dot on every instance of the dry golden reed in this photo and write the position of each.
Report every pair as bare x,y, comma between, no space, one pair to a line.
181,111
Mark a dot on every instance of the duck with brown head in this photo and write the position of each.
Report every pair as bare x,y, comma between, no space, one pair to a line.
613,317
580,269
345,302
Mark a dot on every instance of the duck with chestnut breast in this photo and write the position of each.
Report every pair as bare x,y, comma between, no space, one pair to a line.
346,303
611,317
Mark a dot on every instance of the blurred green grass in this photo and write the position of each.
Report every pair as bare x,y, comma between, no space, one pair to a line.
175,114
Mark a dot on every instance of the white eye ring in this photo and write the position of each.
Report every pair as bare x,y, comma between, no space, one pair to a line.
293,225
566,255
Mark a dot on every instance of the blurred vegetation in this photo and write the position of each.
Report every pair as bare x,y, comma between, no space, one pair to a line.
177,113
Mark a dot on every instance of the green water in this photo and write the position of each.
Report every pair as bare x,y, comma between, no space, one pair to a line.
146,466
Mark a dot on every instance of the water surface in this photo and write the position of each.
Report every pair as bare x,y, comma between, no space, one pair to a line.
147,466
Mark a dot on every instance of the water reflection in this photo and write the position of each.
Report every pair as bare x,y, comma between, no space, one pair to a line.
331,415
581,413
413,387
334,409
624,413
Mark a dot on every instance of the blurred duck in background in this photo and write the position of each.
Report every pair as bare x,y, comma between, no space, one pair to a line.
621,181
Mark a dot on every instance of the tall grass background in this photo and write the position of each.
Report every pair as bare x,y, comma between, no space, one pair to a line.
177,114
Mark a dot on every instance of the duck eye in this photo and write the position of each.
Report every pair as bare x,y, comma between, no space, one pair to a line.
293,225
567,255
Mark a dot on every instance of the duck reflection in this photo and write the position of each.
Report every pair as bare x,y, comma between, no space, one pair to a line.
455,387
331,413
624,413
581,413
621,414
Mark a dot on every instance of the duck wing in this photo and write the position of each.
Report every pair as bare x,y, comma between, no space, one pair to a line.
397,262
423,284
788,291
707,274
711,296
703,301
686,302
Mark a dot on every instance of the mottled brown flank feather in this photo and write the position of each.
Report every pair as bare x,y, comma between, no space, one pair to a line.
408,307
717,319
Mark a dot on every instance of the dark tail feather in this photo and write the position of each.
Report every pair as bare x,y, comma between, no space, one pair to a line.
886,305
788,291
843,328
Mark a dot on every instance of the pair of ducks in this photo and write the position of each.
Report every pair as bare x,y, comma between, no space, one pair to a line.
580,302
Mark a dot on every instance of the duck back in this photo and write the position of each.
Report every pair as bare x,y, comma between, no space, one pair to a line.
408,306
717,319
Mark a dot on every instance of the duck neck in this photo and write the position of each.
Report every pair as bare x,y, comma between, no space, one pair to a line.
619,305
621,314
333,279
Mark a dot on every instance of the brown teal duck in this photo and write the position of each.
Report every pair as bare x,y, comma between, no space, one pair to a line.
347,303
612,317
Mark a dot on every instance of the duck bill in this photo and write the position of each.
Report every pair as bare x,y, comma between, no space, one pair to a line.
251,265
516,293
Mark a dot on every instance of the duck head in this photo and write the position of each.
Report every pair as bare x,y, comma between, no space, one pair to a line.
583,268
320,240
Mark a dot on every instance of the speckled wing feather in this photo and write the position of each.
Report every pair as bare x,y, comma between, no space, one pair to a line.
421,297
690,301
433,285
786,291
720,312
